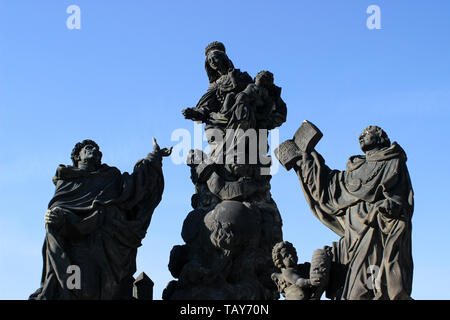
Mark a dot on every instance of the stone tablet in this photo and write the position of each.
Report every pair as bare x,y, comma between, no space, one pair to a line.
307,136
288,153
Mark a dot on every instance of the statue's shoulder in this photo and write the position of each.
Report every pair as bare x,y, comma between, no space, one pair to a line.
68,173
355,162
58,174
64,171
60,168
109,170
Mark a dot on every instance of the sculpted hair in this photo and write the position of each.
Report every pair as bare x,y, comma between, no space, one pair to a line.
382,137
266,75
277,257
75,155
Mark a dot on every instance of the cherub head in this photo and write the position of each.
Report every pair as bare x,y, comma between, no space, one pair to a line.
373,138
284,255
264,79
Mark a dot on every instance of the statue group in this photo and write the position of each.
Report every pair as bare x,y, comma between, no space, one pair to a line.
234,247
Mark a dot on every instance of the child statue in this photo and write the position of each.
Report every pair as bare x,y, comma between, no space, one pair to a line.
258,106
300,281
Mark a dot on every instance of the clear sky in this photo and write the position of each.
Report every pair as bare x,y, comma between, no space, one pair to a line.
124,77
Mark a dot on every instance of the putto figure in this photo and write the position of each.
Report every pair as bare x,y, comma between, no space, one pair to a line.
304,281
94,224
369,205
258,106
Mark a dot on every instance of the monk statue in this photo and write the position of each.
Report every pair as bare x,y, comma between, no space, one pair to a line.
369,205
94,224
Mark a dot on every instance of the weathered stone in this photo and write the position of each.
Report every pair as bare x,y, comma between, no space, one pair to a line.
143,287
370,206
288,153
230,234
307,136
94,224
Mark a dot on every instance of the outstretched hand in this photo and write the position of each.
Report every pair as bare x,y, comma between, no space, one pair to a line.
192,114
165,152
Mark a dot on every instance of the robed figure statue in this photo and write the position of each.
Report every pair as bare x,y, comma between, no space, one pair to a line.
234,223
94,224
370,206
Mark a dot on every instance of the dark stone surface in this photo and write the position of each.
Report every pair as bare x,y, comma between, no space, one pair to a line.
143,287
305,139
95,222
235,223
370,206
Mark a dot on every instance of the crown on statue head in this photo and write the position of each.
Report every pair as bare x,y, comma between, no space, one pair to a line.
216,45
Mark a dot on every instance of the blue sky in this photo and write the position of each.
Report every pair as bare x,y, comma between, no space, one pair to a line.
124,77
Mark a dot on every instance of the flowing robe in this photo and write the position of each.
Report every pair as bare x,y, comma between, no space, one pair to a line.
106,215
370,205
